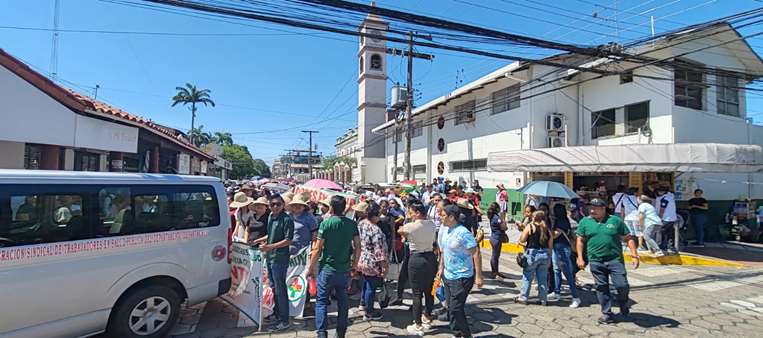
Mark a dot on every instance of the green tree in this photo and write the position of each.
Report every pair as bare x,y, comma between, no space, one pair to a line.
199,137
261,168
329,161
241,159
191,95
223,138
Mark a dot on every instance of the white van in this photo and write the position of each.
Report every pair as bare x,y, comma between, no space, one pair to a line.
82,253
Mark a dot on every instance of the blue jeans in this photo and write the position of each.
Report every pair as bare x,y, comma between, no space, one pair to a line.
562,260
277,278
370,283
698,221
331,281
537,266
602,273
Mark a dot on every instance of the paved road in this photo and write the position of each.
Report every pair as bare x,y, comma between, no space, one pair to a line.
669,301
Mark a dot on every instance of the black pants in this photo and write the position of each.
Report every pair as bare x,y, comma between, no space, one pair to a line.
402,280
456,292
422,267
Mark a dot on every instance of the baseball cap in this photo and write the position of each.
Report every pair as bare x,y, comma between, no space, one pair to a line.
597,202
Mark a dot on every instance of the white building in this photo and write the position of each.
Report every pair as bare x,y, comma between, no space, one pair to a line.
508,111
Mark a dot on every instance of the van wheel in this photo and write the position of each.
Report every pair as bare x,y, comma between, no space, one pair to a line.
148,312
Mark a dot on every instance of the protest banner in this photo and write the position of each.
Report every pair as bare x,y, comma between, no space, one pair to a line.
250,289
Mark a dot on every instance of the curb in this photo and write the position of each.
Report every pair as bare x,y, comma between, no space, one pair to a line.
680,259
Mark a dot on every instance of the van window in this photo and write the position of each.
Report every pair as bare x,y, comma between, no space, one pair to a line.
144,209
36,214
42,215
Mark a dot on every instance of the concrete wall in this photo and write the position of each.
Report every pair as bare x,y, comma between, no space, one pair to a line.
11,155
42,115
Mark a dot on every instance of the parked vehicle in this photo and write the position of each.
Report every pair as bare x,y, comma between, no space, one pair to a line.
82,253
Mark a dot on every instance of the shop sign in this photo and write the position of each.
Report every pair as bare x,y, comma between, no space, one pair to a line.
184,164
117,164
103,135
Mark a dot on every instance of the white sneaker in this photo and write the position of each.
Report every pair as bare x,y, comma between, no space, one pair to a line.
553,297
575,303
659,254
415,330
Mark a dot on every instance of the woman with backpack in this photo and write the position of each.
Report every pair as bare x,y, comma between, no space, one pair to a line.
538,242
562,255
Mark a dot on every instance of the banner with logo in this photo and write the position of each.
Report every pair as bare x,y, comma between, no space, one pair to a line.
246,273
250,290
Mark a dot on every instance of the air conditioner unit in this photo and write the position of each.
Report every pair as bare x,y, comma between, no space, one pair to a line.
555,122
555,141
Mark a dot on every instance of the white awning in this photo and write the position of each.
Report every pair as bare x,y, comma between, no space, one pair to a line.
683,157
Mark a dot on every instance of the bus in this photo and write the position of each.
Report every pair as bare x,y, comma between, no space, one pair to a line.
83,253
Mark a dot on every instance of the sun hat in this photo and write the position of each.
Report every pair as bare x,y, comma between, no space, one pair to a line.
299,200
500,186
261,200
241,200
464,203
360,207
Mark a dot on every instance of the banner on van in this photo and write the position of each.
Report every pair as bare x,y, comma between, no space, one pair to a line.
250,289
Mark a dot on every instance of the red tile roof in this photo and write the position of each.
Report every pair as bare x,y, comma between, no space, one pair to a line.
84,104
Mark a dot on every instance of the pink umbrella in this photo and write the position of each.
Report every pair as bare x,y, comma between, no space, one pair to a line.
323,184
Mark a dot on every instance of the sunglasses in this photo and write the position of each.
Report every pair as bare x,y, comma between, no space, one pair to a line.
277,204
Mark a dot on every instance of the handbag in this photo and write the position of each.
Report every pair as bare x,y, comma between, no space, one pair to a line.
504,238
521,260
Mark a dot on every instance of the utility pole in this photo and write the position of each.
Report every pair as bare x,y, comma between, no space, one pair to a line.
395,138
410,54
409,108
310,153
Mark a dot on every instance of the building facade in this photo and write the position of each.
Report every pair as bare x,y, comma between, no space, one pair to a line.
51,127
526,106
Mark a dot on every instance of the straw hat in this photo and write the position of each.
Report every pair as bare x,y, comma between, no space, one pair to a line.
360,207
325,202
241,200
298,200
261,200
500,187
464,203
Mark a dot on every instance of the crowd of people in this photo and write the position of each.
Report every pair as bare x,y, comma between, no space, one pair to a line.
431,235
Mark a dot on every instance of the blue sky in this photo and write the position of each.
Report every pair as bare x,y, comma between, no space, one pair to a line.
271,81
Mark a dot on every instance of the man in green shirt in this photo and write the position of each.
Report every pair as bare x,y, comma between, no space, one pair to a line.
280,229
600,237
336,250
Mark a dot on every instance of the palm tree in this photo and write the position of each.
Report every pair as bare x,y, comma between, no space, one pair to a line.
190,95
223,139
199,137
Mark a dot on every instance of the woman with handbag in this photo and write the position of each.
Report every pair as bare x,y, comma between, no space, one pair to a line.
562,255
497,237
372,263
538,243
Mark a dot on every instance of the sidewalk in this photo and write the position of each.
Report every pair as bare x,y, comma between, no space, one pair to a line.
724,254
750,254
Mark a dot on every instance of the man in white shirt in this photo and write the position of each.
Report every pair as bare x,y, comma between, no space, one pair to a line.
666,208
427,195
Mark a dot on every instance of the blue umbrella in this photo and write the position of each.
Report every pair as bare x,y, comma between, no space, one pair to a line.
548,189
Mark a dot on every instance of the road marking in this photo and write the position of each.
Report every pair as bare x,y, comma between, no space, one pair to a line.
743,303
758,299
660,271
714,285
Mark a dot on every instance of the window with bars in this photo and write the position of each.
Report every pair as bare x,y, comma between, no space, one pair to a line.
468,165
418,129
636,117
419,169
728,95
603,123
465,112
689,88
505,99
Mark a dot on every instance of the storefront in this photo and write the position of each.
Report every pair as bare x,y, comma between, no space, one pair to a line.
597,171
